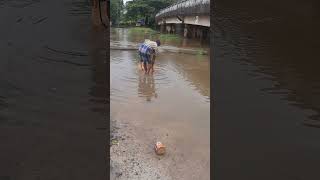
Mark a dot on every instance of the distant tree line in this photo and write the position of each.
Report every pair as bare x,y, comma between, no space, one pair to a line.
116,11
132,11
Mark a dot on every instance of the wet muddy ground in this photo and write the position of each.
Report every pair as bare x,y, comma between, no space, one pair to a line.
52,91
172,105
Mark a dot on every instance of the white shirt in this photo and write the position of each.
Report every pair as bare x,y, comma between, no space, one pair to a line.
152,44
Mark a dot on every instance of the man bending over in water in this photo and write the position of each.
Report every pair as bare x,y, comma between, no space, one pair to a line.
147,52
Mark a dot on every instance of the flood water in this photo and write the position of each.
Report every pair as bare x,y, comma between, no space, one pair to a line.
175,99
267,90
53,88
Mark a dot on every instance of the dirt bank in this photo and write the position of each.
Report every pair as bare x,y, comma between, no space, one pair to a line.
133,157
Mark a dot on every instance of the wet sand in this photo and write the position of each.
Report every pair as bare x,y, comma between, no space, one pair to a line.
52,92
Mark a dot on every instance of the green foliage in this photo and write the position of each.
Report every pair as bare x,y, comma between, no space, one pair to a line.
152,34
142,30
116,8
145,9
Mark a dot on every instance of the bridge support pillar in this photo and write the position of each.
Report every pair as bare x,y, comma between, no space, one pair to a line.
194,32
173,29
185,31
199,32
179,29
162,28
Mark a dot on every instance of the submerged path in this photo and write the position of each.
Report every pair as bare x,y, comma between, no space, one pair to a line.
52,92
172,106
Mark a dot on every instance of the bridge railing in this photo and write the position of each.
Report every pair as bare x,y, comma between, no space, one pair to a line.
185,7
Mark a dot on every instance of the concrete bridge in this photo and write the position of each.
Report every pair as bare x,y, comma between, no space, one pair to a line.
191,18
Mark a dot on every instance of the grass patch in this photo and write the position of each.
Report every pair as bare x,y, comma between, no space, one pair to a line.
143,33
201,52
152,34
170,38
142,30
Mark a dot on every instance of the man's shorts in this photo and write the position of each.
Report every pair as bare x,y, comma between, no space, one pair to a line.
145,52
145,58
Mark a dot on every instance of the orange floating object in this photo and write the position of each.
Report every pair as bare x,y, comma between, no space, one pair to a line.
159,148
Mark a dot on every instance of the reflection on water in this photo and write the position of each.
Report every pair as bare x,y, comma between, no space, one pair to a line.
176,95
147,87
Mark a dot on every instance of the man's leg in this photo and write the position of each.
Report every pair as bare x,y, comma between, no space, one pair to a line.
141,61
150,67
141,65
152,62
145,67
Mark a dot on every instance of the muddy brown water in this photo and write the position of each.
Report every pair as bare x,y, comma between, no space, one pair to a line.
266,89
53,88
175,99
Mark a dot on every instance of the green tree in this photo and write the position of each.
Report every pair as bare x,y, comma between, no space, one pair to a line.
116,8
145,9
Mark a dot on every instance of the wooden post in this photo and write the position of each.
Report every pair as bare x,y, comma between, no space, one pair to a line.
164,26
193,31
185,31
95,13
201,34
107,11
179,29
173,29
100,13
168,28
